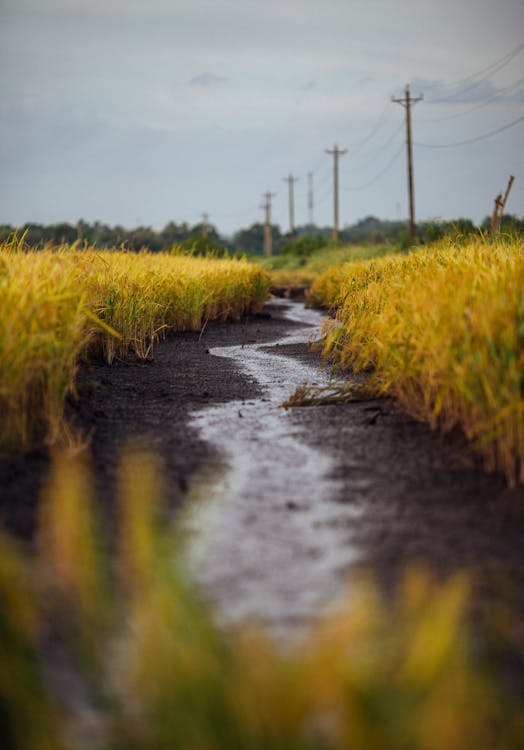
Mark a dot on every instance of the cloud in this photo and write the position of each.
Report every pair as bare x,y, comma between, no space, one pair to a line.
208,80
310,86
363,81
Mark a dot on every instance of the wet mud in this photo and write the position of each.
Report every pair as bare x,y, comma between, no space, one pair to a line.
311,496
266,537
285,504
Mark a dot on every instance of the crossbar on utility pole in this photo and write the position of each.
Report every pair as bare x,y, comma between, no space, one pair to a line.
407,102
337,152
291,182
268,240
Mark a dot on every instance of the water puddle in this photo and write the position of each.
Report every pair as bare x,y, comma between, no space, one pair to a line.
266,538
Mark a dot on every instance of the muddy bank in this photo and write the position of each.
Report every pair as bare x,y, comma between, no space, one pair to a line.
148,401
392,492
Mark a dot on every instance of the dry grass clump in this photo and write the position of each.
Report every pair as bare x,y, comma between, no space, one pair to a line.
443,330
137,661
60,302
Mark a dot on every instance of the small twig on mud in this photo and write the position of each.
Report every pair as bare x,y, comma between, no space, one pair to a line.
334,393
206,321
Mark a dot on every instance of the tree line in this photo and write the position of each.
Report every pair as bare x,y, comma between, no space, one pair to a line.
250,240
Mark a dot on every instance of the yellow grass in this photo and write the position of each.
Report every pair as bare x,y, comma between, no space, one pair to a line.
443,330
61,302
152,670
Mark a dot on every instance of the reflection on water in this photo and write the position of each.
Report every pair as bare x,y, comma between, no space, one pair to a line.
266,538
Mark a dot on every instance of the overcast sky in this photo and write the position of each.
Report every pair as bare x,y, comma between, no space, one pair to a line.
146,111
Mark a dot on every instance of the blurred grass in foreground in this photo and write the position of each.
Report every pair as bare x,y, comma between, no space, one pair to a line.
443,331
142,666
59,303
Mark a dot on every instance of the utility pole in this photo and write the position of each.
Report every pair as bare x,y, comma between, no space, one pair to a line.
336,153
498,208
291,182
407,102
310,200
268,240
205,219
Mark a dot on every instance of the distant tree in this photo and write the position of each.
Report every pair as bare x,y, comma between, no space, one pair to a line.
374,231
143,237
6,231
305,246
173,233
212,234
436,229
251,240
510,224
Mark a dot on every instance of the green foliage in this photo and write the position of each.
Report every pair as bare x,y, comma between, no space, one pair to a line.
103,236
369,231
291,269
251,240
195,245
511,225
304,246
434,230
373,231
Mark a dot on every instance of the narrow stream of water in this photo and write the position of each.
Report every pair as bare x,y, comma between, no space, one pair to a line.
266,537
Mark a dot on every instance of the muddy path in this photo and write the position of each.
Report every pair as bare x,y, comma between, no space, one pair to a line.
306,497
285,504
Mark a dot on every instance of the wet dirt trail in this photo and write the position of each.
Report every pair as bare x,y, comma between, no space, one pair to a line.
281,506
266,535
303,498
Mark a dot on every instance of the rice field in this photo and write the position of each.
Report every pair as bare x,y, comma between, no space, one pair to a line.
443,331
62,304
104,642
148,668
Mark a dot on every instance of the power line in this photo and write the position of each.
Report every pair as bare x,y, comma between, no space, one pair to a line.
323,198
472,140
372,132
379,175
379,149
490,69
489,100
321,164
326,180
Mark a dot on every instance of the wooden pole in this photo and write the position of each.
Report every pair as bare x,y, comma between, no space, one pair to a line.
337,152
291,181
500,205
406,102
268,238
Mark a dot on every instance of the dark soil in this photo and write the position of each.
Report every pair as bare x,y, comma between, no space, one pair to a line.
422,496
150,402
